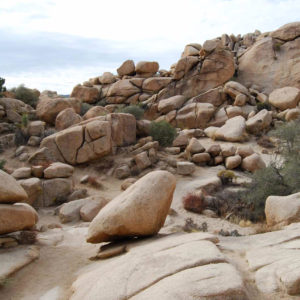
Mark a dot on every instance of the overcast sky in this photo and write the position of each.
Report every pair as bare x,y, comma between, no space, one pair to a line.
55,44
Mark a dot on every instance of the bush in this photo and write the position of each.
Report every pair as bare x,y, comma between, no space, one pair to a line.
163,132
2,88
281,177
226,176
26,95
49,132
194,202
84,108
2,164
263,105
134,110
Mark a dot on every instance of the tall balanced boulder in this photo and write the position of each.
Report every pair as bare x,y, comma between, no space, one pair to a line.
141,210
10,190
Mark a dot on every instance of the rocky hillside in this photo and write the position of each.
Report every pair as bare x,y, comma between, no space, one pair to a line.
156,167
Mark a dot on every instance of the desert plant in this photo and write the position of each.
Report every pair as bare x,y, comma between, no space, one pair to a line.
2,87
281,177
194,202
226,176
101,102
84,108
263,105
2,164
134,110
163,132
28,96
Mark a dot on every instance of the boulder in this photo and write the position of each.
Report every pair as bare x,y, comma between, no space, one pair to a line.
58,170
36,128
122,172
258,123
85,94
141,210
211,45
214,149
21,173
67,118
14,109
185,168
107,78
287,32
127,183
195,115
184,65
147,68
44,155
10,190
142,160
90,209
155,84
194,146
191,50
244,151
127,68
232,131
55,191
48,108
33,188
95,111
253,163
233,89
284,98
228,150
121,90
232,162
172,103
282,209
270,63
200,158
16,217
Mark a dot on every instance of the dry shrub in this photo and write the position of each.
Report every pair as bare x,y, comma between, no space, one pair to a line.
92,181
194,202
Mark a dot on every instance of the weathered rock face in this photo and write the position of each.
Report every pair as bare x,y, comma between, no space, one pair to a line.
16,217
141,210
284,98
146,68
49,107
107,78
95,111
67,118
214,70
273,62
282,209
155,84
85,94
10,190
91,139
195,115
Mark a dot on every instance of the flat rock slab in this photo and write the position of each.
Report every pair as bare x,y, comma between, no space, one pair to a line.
148,264
14,259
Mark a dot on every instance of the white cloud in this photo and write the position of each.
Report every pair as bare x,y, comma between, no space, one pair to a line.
154,28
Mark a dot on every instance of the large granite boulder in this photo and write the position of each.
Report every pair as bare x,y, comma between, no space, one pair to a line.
85,94
141,210
17,217
273,61
284,98
10,190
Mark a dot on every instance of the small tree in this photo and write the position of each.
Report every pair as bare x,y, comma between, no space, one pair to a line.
2,87
163,132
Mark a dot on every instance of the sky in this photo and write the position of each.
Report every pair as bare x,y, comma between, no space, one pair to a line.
56,44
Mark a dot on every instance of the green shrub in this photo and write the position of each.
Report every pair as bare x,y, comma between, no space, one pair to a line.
263,105
101,103
2,163
2,88
84,108
28,96
134,110
226,176
281,177
163,132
